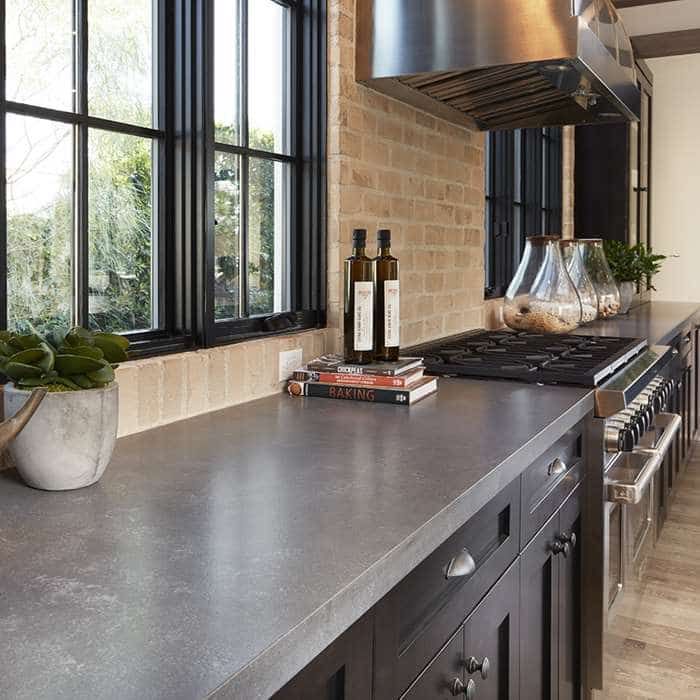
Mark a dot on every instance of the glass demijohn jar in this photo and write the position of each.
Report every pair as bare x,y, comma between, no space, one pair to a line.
542,298
573,259
599,271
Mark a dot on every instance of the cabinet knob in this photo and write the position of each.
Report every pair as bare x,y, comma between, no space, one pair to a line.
459,688
559,547
461,565
473,666
568,537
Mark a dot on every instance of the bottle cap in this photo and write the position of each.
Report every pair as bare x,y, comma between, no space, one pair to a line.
384,236
359,237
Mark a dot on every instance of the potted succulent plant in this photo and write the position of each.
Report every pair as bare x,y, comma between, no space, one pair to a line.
632,266
68,442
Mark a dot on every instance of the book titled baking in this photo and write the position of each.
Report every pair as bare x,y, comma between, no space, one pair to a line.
351,392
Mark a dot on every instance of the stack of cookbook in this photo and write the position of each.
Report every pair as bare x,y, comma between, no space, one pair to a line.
401,382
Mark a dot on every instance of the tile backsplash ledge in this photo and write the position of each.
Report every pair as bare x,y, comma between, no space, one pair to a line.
161,390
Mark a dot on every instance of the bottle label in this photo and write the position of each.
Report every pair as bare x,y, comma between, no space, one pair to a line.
391,313
364,316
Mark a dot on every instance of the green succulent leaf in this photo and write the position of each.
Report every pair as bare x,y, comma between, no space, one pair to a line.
68,365
112,346
119,340
28,357
18,370
84,351
83,381
103,376
24,342
66,382
32,382
79,336
6,349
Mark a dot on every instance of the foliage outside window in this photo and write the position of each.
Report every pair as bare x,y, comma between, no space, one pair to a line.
116,215
523,197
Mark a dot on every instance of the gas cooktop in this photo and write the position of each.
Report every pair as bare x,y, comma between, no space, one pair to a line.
548,359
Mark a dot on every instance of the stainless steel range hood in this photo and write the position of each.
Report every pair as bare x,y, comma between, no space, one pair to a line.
500,64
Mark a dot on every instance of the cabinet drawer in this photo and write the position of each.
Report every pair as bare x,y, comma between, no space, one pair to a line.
416,618
438,679
549,480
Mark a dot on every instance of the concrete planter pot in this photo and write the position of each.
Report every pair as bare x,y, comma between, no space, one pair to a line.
627,292
69,441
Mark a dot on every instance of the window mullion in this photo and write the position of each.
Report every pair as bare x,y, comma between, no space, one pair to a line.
3,187
245,164
80,169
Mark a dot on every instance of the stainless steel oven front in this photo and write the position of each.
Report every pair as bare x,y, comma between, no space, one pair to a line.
620,518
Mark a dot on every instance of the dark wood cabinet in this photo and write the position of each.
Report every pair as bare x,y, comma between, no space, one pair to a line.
613,175
342,672
549,608
491,639
444,675
569,642
488,615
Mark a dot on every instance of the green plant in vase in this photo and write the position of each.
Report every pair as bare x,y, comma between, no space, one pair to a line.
632,266
70,361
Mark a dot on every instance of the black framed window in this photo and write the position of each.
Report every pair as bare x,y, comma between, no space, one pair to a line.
163,167
523,197
263,195
84,151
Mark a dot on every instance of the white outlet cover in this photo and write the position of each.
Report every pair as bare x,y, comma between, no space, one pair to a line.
289,361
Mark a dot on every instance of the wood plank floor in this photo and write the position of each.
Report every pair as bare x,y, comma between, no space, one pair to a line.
659,656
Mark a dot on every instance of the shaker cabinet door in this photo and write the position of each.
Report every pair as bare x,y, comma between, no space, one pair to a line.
342,672
570,600
539,615
491,633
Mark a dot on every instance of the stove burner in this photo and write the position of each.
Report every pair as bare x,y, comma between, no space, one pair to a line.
531,357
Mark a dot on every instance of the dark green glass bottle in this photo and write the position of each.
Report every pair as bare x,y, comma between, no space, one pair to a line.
359,302
386,317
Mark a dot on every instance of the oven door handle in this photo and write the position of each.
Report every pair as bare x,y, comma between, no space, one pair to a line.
631,492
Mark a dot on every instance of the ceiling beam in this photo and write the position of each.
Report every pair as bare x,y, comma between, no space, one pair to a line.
667,44
622,4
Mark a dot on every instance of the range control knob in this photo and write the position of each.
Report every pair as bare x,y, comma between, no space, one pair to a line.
626,440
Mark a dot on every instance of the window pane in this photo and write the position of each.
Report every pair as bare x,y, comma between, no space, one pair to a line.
39,222
227,215
226,72
121,250
120,60
268,236
268,80
40,52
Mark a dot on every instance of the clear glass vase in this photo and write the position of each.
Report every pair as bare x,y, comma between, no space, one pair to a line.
599,271
542,298
573,259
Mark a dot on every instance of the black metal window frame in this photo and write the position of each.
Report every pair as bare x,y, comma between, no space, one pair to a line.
184,197
523,198
307,163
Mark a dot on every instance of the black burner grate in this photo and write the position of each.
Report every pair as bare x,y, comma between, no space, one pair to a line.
548,359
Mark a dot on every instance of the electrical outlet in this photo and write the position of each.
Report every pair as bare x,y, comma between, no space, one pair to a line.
289,361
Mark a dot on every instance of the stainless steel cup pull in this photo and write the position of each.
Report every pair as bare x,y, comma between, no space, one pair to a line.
473,666
459,688
558,466
630,475
461,565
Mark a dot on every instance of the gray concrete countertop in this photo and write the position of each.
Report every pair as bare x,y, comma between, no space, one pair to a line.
221,554
658,321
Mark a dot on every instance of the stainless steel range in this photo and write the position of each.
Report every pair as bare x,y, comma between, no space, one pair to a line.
628,441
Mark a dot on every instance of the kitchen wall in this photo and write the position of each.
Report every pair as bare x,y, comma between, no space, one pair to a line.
389,165
675,174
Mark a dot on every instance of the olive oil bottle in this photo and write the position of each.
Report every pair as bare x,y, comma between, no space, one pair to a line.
359,302
386,318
